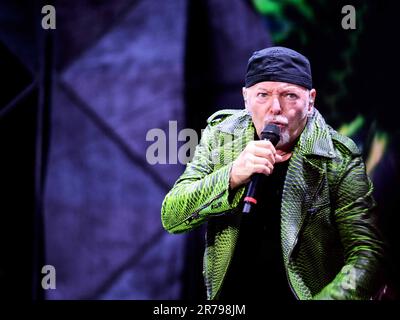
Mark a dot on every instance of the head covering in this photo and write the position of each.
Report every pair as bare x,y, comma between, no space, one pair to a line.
278,64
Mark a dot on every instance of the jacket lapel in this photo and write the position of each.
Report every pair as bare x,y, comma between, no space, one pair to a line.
305,176
303,179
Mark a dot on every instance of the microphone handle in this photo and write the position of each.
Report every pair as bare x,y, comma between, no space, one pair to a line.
250,199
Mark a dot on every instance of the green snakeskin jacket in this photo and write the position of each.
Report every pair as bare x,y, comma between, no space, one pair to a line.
330,244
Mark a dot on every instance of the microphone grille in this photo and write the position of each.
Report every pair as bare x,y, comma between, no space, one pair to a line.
271,132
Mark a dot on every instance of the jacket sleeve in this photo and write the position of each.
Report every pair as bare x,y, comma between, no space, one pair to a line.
363,248
202,191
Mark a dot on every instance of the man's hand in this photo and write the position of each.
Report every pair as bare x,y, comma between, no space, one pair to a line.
258,157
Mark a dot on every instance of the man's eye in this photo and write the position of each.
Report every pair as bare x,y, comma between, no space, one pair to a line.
291,96
262,94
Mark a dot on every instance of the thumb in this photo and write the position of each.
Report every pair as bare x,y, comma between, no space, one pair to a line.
278,158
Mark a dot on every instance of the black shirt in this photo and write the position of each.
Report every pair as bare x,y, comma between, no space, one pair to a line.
257,269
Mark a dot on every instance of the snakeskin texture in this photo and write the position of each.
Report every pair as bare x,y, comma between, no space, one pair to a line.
330,245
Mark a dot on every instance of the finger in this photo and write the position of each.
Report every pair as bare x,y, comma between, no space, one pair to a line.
263,161
253,163
259,168
278,158
264,144
267,153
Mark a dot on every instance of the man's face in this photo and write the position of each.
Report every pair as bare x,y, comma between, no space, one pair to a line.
284,104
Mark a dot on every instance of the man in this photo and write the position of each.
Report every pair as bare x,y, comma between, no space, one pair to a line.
312,233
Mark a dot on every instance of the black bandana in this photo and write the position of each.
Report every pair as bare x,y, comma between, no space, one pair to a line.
278,64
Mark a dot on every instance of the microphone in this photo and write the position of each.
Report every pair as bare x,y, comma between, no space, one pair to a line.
270,133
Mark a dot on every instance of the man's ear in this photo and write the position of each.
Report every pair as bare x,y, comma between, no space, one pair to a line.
244,93
313,94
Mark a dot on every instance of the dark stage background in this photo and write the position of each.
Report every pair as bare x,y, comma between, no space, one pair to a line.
77,102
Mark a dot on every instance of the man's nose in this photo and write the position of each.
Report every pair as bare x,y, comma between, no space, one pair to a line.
275,107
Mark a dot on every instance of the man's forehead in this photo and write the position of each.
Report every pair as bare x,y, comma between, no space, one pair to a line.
272,85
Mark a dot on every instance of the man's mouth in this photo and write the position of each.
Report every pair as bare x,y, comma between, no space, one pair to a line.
279,124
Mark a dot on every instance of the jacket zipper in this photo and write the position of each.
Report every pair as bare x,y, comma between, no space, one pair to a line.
194,214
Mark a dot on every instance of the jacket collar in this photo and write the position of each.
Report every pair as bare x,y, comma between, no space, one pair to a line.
314,140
